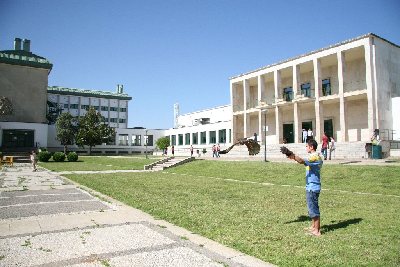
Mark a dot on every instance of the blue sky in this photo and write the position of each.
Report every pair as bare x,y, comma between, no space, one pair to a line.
170,51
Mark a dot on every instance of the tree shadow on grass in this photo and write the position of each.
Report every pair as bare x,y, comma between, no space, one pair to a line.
341,224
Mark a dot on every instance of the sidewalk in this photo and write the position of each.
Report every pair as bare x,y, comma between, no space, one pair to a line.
47,220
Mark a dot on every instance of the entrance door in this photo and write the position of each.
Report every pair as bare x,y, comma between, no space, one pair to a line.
288,135
328,127
307,125
18,138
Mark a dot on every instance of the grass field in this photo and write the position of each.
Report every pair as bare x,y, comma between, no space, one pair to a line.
259,208
100,163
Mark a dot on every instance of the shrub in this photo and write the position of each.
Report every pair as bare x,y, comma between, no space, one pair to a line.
204,151
59,156
72,156
44,156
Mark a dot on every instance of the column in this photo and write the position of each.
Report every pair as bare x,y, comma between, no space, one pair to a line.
278,124
319,121
277,84
342,103
369,64
261,89
246,93
296,79
297,128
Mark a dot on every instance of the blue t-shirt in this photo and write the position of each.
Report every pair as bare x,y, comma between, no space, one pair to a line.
313,176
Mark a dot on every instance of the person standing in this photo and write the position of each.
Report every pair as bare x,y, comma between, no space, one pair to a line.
325,146
34,160
332,147
217,149
191,150
313,184
214,151
173,151
305,135
310,134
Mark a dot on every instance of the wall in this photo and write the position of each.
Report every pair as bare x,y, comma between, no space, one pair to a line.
26,88
40,131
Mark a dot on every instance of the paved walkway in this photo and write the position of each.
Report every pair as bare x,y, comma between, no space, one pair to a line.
46,220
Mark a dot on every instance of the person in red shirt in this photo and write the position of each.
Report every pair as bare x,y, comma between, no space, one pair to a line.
325,146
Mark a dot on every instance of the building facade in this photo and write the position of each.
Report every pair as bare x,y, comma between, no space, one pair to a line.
345,90
201,129
23,93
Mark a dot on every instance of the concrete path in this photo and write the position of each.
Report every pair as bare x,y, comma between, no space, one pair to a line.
46,220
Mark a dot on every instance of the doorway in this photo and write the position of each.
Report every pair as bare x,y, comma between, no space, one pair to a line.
328,127
288,136
18,138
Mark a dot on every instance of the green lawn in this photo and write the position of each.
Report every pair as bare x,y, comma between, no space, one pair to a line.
259,208
100,163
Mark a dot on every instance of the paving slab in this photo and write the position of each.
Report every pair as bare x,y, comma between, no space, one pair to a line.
46,220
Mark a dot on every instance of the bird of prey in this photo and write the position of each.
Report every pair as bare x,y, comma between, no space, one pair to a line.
252,146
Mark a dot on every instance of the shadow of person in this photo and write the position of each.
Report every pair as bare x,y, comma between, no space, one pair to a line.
301,218
338,225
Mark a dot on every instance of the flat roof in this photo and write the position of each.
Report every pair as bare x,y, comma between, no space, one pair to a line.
314,52
86,92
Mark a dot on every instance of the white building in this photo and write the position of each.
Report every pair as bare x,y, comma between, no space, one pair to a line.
202,129
345,90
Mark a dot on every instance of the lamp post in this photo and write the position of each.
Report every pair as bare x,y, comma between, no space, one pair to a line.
147,140
262,107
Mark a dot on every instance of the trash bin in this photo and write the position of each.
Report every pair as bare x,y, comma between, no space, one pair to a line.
377,152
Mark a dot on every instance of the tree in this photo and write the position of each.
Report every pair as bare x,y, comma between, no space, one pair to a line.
162,143
93,131
66,130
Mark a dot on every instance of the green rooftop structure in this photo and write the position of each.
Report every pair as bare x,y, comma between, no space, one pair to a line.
22,56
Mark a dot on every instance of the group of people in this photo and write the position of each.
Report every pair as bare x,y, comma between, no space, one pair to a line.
307,135
215,150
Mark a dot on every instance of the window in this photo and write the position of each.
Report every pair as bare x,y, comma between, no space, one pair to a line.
148,140
173,140
326,87
104,108
222,136
187,139
122,109
66,105
74,106
306,89
180,139
113,120
123,139
288,93
195,140
96,108
122,120
85,107
230,134
203,138
113,109
213,137
136,140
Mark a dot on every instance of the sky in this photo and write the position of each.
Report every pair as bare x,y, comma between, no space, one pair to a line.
181,51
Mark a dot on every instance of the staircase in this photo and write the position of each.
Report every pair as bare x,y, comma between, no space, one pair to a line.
348,150
167,163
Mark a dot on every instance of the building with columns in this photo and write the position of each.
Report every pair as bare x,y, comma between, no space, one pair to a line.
345,90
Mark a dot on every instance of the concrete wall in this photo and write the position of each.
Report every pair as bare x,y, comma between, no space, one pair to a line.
40,131
26,88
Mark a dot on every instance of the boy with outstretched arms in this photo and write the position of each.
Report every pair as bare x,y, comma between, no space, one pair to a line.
313,183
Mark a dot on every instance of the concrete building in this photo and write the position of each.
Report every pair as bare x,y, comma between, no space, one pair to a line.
23,93
345,90
201,129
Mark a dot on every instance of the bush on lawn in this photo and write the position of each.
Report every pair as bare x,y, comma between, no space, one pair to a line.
59,156
72,156
44,156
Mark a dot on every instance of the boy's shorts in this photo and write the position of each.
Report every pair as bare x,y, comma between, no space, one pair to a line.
312,204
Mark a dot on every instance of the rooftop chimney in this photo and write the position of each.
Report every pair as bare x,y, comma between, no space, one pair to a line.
120,88
26,45
17,44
